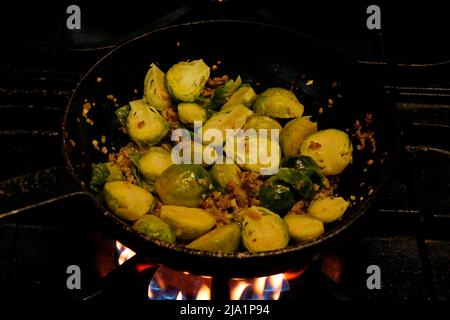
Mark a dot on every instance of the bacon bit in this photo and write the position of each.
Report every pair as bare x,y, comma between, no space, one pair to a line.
78,120
382,161
370,162
252,213
86,108
178,44
207,92
91,122
330,102
99,79
217,81
135,91
361,198
95,144
104,150
141,124
309,82
368,118
214,67
352,197
362,184
320,110
258,84
314,145
370,192
72,143
365,170
110,97
219,62
103,139
334,84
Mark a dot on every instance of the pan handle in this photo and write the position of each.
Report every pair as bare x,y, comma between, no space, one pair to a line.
25,192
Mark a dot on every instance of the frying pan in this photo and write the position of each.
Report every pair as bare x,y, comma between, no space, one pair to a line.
264,56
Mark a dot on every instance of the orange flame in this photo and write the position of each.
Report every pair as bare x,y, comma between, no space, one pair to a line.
262,288
124,253
204,293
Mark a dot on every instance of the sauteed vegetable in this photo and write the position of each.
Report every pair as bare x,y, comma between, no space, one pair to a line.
241,200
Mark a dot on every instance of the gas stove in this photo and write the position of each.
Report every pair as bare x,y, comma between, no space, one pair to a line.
406,235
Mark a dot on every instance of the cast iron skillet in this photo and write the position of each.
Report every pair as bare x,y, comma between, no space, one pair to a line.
265,56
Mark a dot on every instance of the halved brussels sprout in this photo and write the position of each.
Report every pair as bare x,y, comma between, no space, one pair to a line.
189,112
263,230
155,92
257,122
154,162
233,119
186,80
152,226
221,239
293,134
244,95
328,209
145,125
184,185
278,103
331,149
303,227
224,92
223,174
276,195
127,200
104,172
187,223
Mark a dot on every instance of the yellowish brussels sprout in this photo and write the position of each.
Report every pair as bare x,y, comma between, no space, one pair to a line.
188,223
257,122
331,149
328,209
189,112
278,103
184,185
221,239
263,230
232,119
127,200
145,125
154,162
294,133
186,80
152,226
303,227
155,91
244,95
223,174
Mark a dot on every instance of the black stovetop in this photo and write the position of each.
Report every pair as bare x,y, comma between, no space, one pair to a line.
408,231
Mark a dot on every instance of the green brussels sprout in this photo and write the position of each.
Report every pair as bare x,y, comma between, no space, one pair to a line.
328,209
257,122
186,80
276,195
187,223
155,92
244,95
221,239
307,166
102,173
250,160
189,112
152,226
331,149
278,103
154,162
233,119
184,185
223,174
145,125
303,227
127,200
263,230
294,133
224,92
122,115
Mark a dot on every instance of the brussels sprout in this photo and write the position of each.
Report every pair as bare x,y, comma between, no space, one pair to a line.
223,174
127,200
154,162
276,195
183,185
263,230
293,134
122,115
303,228
278,103
331,149
188,223
102,173
186,80
233,119
307,166
328,209
145,125
189,112
224,92
152,226
221,239
250,160
155,92
244,95
257,122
